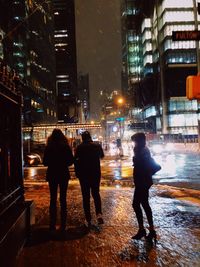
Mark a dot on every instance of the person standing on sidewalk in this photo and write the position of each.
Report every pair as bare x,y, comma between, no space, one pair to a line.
143,182
88,170
58,157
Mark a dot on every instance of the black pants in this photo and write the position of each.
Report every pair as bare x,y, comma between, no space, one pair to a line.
141,198
53,187
92,186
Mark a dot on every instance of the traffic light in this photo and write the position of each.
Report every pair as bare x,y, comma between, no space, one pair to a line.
193,87
198,8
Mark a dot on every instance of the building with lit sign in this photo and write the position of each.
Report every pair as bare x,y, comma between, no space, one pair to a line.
166,65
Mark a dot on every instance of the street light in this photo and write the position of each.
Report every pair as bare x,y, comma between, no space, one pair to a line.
120,101
120,104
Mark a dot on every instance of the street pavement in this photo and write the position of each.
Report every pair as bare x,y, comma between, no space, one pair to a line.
176,215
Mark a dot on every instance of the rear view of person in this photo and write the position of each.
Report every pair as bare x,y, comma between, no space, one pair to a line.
88,170
57,156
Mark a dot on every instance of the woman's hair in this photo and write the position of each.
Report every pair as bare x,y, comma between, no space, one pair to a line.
57,137
139,139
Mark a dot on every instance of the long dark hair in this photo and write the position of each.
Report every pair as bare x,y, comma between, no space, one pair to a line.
57,137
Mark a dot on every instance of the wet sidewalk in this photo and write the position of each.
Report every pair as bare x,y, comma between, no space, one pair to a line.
177,224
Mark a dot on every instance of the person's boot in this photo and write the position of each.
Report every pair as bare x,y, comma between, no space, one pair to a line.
100,219
152,236
141,233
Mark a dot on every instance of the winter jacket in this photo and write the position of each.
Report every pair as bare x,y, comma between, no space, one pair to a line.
58,158
142,174
87,160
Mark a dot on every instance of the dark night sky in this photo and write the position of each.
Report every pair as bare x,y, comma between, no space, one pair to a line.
98,35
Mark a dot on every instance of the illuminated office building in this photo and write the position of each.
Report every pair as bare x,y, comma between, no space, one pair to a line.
27,30
131,48
166,65
65,52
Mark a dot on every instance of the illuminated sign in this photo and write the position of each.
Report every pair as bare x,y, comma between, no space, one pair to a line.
120,119
185,35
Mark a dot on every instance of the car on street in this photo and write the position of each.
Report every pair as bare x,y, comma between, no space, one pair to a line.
32,159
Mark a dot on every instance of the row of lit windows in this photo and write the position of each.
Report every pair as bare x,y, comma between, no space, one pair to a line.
176,16
181,120
175,105
146,35
133,58
181,27
149,112
187,58
169,44
146,24
18,54
39,107
133,38
18,44
147,69
133,48
147,47
148,59
134,70
177,4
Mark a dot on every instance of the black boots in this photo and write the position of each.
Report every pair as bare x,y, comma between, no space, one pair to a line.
141,233
152,236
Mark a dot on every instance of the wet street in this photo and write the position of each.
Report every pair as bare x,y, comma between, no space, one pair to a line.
178,169
176,214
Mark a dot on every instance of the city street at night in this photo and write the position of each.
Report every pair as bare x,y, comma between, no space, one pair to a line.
176,213
180,167
100,95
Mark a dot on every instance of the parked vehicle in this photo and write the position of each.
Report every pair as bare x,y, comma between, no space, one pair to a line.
32,159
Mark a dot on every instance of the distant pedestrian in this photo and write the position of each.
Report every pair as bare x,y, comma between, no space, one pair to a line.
143,181
88,170
57,156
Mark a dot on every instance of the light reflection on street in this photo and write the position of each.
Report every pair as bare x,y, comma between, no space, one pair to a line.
32,172
178,169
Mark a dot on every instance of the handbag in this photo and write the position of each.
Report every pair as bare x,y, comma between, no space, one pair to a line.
154,167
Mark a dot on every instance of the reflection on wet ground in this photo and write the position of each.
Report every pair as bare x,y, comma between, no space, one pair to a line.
180,170
177,225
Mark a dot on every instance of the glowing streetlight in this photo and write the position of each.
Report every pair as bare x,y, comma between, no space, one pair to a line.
120,100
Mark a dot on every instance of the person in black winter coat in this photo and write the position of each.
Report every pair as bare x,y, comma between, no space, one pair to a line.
143,181
88,170
58,157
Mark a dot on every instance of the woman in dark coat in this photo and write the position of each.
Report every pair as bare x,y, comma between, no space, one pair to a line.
143,182
88,170
58,157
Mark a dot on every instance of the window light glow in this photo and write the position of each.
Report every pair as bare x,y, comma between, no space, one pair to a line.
176,16
60,35
177,4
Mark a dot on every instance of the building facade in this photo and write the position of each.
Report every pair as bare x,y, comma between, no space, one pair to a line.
65,52
131,49
161,92
27,48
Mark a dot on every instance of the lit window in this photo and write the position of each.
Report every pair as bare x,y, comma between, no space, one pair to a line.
60,35
177,4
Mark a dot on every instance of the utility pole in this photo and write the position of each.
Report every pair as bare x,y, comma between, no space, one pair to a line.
164,122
